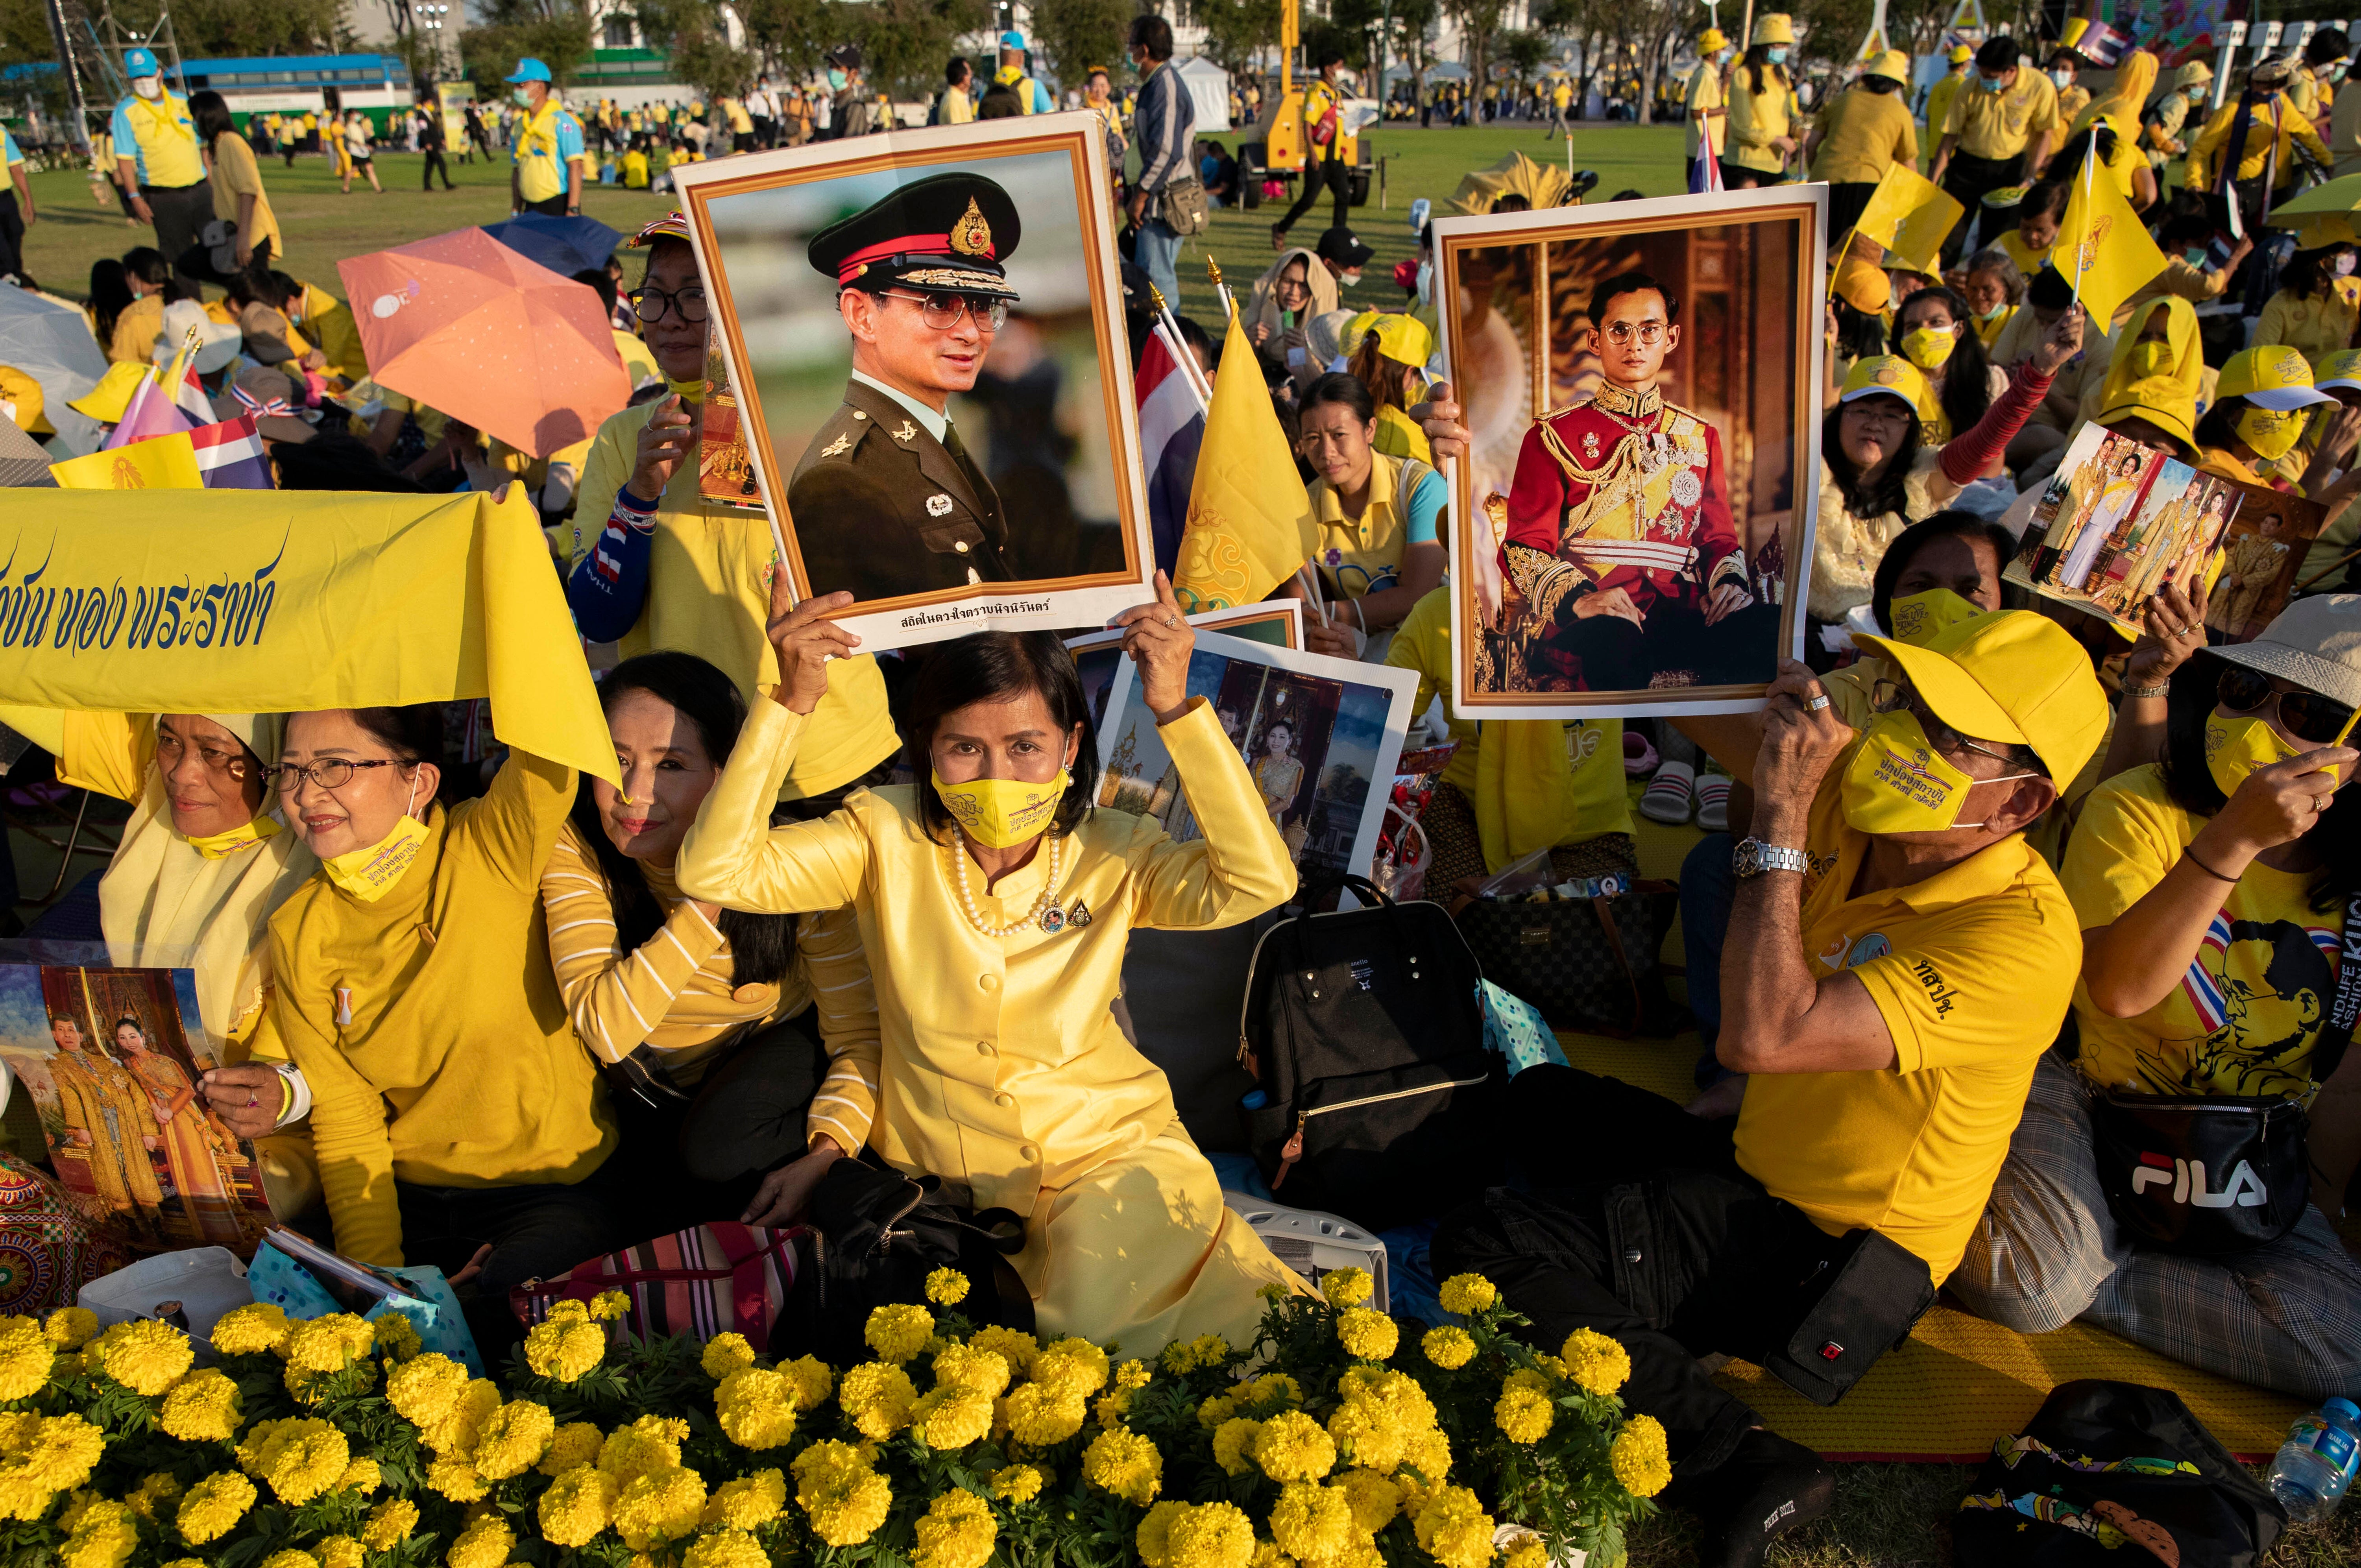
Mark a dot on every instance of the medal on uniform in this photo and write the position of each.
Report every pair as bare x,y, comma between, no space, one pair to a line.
1687,489
1589,446
938,506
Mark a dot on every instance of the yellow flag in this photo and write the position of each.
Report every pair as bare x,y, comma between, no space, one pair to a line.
1249,524
160,463
2101,249
279,601
1908,214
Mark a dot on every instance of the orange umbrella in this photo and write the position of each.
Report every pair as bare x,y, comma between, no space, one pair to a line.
470,328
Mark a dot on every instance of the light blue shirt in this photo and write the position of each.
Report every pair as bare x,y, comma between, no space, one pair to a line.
1042,103
9,154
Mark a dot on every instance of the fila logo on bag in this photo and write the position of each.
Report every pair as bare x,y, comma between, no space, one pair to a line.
2244,1189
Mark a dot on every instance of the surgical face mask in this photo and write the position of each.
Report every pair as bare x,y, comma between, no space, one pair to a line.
1347,279
837,79
222,846
1001,814
2272,435
369,875
1990,84
1897,782
148,86
1426,282
2063,78
1994,313
520,98
2147,360
1916,617
1776,56
1928,346
2194,256
2237,746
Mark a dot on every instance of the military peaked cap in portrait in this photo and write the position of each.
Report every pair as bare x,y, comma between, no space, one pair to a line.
949,232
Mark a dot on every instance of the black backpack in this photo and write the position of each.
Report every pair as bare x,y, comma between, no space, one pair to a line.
1378,1101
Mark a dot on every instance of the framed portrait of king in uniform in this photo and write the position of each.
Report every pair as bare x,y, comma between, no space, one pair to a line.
1631,522
924,338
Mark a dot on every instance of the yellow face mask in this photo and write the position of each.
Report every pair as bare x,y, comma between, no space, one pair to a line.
222,846
368,875
1928,346
2272,435
690,392
2237,746
1001,814
2146,360
1917,617
1897,782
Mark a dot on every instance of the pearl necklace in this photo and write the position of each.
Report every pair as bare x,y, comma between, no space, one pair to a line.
1041,904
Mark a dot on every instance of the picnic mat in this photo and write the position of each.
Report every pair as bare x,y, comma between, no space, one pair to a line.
1960,1381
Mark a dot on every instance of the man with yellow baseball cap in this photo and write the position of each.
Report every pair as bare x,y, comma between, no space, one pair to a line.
1866,131
1898,959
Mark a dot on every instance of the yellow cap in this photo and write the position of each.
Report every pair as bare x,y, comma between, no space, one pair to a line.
1891,63
2013,676
2342,369
24,393
2272,375
108,401
1888,375
1711,39
1405,339
1862,284
1777,28
1960,54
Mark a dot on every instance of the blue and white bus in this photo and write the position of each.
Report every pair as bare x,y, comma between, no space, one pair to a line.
376,84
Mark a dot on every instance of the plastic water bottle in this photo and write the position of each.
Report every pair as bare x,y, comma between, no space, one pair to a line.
2317,1461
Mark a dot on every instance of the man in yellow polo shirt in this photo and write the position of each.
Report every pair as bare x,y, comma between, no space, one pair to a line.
1897,961
157,158
1999,131
546,175
1946,87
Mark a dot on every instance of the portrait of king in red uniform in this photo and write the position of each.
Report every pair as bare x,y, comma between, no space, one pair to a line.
1621,546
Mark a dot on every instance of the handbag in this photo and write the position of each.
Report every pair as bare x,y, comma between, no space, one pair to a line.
1588,964
1182,206
1853,1310
711,1279
219,238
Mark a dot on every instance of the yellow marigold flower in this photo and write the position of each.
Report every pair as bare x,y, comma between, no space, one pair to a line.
1311,1521
483,1544
362,1477
1428,1454
1293,1447
456,1479
1374,1499
256,1330
965,1366
565,1308
1073,1368
421,1390
956,1532
1133,1374
1234,1443
1153,1539
1211,1535
657,1508
1523,1415
1597,1364
748,1502
1038,1416
651,1442
845,1499
608,1305
1111,1408
514,1439
390,1524
899,1331
952,1418
290,1558
1530,1552
1448,1348
1016,1483
726,1353
576,1443
338,1551
70,1328
1266,1554
1371,1336
563,1349
1188,1356
1212,1412
145,1355
185,1562
325,1345
45,1455
756,1407
457,1432
814,1381
876,1397
1454,1530
726,1549
1010,1345
578,1506
155,1496
299,1458
1347,1287
1125,1463
1637,1457
395,1335
27,1358
1367,1433
1271,1390
203,1407
211,1507
947,1286
1467,1294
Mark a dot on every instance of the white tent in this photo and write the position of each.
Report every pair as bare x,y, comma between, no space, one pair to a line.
1209,92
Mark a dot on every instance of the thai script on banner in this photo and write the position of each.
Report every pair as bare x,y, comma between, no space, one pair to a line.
230,612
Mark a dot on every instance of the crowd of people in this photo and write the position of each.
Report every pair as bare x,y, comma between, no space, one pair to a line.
1983,875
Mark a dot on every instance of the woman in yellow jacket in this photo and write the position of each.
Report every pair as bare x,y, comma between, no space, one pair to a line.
2317,306
995,904
1761,107
456,1119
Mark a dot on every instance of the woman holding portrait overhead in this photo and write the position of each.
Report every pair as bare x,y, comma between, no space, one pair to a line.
994,904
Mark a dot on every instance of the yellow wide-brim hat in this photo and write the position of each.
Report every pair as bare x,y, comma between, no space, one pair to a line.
1892,63
2013,676
1711,39
108,401
1777,28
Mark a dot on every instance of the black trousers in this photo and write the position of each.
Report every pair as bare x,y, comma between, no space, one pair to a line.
534,1231
181,214
554,206
1330,175
701,1158
1619,656
434,162
12,235
1965,179
1640,1226
1846,199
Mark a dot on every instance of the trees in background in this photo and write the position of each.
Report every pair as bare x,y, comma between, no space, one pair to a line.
555,32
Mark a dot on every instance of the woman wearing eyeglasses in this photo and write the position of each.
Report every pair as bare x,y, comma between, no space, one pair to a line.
456,1119
657,565
2214,887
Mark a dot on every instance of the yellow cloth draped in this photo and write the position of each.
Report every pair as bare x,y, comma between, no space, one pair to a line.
1250,524
2135,80
1524,790
281,601
2169,399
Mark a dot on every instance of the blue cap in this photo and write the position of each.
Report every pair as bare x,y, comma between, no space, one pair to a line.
1011,39
530,69
138,63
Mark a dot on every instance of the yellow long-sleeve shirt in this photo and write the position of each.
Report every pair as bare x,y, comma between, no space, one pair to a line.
678,992
1758,116
2276,127
430,1022
2311,326
1863,135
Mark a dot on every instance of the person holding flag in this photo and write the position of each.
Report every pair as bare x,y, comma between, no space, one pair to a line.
1706,113
1865,132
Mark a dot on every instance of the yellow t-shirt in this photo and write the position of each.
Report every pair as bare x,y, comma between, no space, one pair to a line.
1939,96
2073,101
2003,125
638,360
1757,118
635,169
235,175
2244,1019
741,122
541,170
328,323
1863,135
1971,970
135,329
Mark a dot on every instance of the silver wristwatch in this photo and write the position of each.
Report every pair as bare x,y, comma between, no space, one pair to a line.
1753,857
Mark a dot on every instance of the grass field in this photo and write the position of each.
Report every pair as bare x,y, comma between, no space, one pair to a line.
1887,1516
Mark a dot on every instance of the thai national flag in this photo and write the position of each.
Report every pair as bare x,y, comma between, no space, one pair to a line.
1171,429
1705,172
230,456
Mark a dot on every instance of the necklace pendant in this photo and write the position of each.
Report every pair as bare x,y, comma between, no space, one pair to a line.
1053,920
